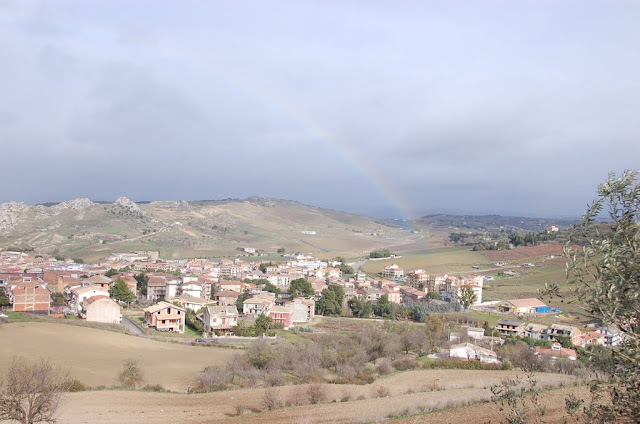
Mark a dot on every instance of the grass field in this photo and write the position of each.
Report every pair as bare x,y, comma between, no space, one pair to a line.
436,261
95,356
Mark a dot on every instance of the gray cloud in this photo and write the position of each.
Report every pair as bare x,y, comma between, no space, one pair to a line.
504,107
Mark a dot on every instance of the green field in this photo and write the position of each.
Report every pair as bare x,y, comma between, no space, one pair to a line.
454,260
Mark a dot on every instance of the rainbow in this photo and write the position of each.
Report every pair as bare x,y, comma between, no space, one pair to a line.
276,103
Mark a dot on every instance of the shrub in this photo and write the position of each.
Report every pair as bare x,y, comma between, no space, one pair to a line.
271,398
74,385
131,375
213,378
380,392
154,388
297,396
346,396
406,364
316,393
385,367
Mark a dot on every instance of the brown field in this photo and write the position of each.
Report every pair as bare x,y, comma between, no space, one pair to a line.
95,356
522,253
453,388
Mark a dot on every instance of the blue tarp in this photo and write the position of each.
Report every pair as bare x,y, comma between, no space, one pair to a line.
543,309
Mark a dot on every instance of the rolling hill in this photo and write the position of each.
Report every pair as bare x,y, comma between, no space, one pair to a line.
89,230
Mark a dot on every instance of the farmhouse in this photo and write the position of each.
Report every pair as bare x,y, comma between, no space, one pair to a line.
471,352
165,317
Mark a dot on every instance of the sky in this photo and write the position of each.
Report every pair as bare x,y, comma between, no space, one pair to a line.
389,109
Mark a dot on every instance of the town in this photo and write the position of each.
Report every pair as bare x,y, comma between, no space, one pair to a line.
223,299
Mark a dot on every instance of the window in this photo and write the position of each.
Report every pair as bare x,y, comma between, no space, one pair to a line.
163,321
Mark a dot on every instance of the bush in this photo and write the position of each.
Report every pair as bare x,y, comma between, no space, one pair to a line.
405,364
131,375
271,399
460,365
297,396
385,368
154,388
316,393
213,379
74,385
380,392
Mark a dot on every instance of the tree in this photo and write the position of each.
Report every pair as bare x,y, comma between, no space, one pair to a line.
4,300
384,308
263,266
605,276
380,254
270,287
111,273
467,296
280,250
120,291
360,307
263,324
330,302
131,375
301,287
30,392
239,303
142,280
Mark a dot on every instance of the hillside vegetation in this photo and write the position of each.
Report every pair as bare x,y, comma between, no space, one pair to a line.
89,230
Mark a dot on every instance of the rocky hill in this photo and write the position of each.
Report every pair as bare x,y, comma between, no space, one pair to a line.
84,229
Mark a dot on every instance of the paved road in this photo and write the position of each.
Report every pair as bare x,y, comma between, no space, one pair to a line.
357,265
132,327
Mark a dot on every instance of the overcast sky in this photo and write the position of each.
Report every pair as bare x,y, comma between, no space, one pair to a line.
375,107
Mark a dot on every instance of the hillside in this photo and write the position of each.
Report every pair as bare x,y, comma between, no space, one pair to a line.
90,230
491,223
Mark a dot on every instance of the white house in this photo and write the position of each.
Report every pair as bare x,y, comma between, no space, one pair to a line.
80,294
220,318
471,352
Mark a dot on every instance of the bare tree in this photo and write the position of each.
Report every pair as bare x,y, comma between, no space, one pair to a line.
131,375
30,392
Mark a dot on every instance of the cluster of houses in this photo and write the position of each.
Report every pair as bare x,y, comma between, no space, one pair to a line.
598,336
172,289
199,285
211,291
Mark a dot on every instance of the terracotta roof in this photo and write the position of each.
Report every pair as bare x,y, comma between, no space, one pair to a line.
92,299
